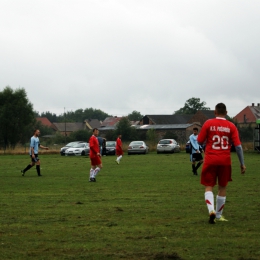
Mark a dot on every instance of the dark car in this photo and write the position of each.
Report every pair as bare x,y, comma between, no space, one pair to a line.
110,147
71,144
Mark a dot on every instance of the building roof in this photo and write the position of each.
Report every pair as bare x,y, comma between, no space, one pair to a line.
111,121
44,120
157,127
93,123
169,119
249,114
70,127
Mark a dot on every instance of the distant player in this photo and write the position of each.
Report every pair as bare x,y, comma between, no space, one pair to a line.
196,151
219,134
119,149
95,156
33,151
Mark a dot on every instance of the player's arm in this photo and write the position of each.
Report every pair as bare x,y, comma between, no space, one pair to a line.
44,147
240,155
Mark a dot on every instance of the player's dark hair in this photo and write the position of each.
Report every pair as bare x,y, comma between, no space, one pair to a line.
94,130
221,109
195,128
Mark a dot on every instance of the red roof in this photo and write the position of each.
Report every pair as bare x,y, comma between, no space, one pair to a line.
45,121
111,121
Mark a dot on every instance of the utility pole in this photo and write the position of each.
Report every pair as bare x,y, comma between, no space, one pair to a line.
65,126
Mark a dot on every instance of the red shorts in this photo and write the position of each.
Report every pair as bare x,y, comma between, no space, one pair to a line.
95,161
213,174
119,151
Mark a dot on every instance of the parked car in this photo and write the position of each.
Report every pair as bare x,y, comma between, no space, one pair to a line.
78,149
168,145
110,147
137,147
63,149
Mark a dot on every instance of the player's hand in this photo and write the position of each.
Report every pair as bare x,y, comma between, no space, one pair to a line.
243,169
47,148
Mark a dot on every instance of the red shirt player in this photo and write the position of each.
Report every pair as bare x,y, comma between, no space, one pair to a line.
94,155
119,149
218,134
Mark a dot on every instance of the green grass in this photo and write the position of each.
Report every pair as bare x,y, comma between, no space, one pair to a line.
148,207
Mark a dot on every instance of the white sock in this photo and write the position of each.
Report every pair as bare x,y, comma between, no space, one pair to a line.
91,173
96,172
119,158
209,199
220,203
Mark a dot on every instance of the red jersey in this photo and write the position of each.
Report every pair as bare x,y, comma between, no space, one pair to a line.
119,150
93,146
118,143
219,134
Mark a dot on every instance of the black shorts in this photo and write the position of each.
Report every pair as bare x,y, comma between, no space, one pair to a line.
35,159
196,157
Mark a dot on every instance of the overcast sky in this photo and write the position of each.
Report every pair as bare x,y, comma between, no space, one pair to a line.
125,55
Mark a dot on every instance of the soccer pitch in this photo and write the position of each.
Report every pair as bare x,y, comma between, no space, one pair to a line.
147,207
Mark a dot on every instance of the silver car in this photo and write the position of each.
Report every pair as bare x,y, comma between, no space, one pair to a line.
78,149
168,145
137,147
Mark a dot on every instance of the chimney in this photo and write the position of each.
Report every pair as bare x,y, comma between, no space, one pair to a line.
253,104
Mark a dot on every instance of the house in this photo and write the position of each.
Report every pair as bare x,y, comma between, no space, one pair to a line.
165,119
110,121
46,122
92,123
248,115
201,116
182,131
67,128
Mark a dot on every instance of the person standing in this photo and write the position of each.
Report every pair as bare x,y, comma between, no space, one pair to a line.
95,156
33,151
119,149
196,151
104,147
219,134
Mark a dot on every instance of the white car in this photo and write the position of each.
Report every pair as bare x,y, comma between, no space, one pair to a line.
168,145
137,147
78,149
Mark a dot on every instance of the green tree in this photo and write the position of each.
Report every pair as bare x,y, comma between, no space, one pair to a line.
135,116
125,129
51,116
191,106
16,116
152,136
80,135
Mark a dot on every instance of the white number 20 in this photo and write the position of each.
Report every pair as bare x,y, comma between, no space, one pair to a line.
220,142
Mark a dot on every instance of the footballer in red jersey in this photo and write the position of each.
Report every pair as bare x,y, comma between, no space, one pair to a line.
94,155
218,134
119,149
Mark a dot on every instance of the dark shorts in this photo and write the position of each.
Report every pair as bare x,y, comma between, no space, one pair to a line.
215,174
196,157
35,159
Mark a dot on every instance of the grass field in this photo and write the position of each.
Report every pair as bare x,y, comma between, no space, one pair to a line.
148,207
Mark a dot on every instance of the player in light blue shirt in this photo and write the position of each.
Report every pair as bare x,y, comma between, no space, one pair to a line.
33,151
195,151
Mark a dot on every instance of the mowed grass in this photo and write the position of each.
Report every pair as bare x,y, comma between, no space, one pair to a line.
148,207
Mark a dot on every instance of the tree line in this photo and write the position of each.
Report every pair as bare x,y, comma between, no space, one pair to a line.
18,120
